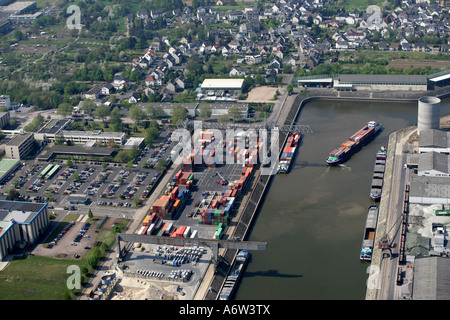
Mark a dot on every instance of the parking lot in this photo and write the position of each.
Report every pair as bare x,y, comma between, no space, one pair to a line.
74,240
109,189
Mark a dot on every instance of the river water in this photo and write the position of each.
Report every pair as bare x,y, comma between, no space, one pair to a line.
313,218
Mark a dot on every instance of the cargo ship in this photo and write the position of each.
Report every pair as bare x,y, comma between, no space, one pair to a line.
232,280
369,234
378,174
354,144
289,150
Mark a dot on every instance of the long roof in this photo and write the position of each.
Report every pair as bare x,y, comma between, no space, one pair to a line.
383,78
434,138
222,83
431,279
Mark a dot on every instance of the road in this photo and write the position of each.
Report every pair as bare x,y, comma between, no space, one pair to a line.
399,179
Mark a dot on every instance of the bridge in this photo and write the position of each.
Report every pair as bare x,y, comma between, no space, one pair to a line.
214,244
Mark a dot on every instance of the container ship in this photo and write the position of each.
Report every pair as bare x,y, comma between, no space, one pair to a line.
232,280
378,175
354,144
288,153
369,234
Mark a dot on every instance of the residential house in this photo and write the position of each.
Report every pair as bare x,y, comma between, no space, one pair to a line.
93,93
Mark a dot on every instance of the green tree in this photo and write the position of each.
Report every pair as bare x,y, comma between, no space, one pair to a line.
234,113
289,89
205,111
88,106
65,109
102,111
90,214
178,113
137,114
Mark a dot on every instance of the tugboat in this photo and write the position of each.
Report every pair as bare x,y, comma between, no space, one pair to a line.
355,143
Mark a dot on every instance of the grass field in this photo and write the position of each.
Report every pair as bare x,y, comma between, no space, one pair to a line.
35,278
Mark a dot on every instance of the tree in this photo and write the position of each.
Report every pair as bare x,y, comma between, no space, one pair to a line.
205,111
289,89
178,113
90,214
88,106
65,109
18,35
137,114
102,111
234,113
116,119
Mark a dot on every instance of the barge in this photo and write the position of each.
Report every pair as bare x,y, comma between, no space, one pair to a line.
378,174
289,151
354,143
369,234
234,276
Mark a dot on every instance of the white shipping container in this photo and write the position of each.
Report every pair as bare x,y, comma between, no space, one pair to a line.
194,234
151,228
141,230
187,232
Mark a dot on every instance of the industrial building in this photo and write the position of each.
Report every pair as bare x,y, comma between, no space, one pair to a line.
434,164
230,86
428,190
20,146
366,82
381,82
434,141
218,108
431,278
21,223
7,166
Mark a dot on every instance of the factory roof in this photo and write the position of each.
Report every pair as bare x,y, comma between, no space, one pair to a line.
434,138
431,279
383,79
431,190
222,83
434,161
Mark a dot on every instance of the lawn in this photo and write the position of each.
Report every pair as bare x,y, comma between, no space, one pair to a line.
35,278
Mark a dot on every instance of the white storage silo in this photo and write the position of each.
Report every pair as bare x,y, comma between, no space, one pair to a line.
429,113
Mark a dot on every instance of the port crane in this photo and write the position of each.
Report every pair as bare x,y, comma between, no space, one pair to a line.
189,124
214,244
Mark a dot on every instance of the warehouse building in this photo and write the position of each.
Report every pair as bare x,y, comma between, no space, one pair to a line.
434,164
20,146
429,190
218,108
21,223
431,279
222,86
381,82
8,166
434,140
